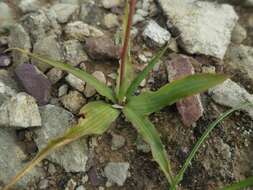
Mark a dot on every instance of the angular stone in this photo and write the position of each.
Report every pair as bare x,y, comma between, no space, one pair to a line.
64,12
204,27
118,141
48,47
34,82
158,35
241,57
232,95
239,34
12,160
7,16
111,3
73,101
111,20
75,82
20,111
190,108
55,121
30,5
55,75
8,86
102,48
117,172
19,38
41,24
74,52
90,90
63,90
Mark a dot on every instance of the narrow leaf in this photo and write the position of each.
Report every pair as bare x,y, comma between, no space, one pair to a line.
143,74
152,137
202,140
98,118
240,185
91,80
149,102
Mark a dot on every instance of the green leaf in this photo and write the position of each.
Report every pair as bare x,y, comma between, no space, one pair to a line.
98,117
89,79
143,74
149,102
240,185
126,70
202,140
152,137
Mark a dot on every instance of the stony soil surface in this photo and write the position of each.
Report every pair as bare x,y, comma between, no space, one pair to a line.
38,102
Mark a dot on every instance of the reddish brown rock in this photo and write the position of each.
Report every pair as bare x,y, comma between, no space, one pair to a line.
101,48
190,108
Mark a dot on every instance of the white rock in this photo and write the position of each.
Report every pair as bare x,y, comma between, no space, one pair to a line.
205,27
117,172
6,16
156,33
20,111
232,95
65,11
75,82
111,3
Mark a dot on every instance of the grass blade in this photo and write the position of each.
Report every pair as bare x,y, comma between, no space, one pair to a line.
202,139
91,80
90,125
149,102
240,185
152,137
126,72
143,74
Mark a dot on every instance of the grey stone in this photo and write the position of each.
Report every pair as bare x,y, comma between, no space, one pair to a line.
63,90
248,3
118,141
6,16
239,34
41,24
241,57
137,18
71,185
55,121
81,187
204,27
232,95
117,172
74,52
73,101
12,160
8,86
20,111
108,4
43,184
141,145
55,75
80,31
5,61
19,38
158,35
65,12
111,20
34,82
30,5
75,82
48,47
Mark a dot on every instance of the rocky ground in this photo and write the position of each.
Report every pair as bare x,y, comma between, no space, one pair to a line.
38,102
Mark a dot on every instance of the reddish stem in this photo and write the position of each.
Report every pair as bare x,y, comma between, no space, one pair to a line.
126,40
